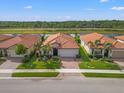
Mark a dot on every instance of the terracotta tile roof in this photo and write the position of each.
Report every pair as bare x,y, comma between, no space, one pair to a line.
4,37
118,44
64,40
107,39
120,37
91,37
95,36
28,41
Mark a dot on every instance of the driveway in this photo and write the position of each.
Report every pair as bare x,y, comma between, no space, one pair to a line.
11,63
120,62
69,63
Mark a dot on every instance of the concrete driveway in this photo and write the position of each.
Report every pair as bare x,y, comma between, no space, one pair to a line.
11,63
70,63
120,62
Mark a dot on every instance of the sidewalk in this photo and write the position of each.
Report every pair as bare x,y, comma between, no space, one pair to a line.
61,70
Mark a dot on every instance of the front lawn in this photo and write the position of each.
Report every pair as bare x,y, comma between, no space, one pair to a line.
51,64
2,61
104,75
96,64
35,74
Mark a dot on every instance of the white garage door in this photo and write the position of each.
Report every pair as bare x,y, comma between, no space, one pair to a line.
68,52
118,54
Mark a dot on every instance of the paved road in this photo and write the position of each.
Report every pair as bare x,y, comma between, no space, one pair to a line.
68,85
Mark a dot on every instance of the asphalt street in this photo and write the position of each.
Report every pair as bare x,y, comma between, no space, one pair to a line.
66,85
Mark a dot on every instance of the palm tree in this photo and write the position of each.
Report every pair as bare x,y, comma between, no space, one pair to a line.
94,46
107,48
46,50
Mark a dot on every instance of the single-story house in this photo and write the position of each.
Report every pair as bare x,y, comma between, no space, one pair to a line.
63,45
116,50
7,48
4,38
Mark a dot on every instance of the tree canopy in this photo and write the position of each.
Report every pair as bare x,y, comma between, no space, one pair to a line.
20,49
66,24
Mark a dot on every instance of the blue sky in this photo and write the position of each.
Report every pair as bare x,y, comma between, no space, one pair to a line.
61,10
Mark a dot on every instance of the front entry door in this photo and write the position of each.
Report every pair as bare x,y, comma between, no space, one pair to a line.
55,52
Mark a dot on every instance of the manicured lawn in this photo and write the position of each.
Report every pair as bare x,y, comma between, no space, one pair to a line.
104,75
99,65
88,63
84,55
40,65
35,74
2,61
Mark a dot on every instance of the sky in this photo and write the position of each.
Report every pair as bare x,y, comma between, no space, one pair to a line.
61,10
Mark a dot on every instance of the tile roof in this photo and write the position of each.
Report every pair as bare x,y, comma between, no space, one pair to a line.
28,41
120,37
4,37
91,37
118,44
103,39
64,40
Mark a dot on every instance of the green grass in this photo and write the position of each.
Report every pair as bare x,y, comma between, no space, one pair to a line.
84,55
69,30
35,74
99,65
40,65
104,75
2,61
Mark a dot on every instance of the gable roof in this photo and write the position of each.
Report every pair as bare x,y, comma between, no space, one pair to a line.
28,41
4,37
64,41
120,37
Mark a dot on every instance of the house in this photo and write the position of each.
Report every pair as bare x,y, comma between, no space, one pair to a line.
4,37
63,45
120,38
8,47
116,48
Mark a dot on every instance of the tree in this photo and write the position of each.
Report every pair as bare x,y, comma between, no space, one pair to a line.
20,49
94,45
107,48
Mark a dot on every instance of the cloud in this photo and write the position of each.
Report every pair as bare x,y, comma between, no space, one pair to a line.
104,1
118,8
28,7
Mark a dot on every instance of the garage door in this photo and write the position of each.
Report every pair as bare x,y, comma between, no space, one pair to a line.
118,54
68,52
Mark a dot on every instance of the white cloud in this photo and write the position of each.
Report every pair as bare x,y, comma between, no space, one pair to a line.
104,1
28,7
118,8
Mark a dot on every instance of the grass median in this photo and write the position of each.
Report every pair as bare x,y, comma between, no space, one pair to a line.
35,74
104,75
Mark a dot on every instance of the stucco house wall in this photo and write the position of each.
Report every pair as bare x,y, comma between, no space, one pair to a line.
68,52
89,50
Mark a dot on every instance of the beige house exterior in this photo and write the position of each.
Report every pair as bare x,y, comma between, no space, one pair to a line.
8,48
63,45
116,50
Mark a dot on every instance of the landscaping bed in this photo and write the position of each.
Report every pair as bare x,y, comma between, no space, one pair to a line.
104,75
35,74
